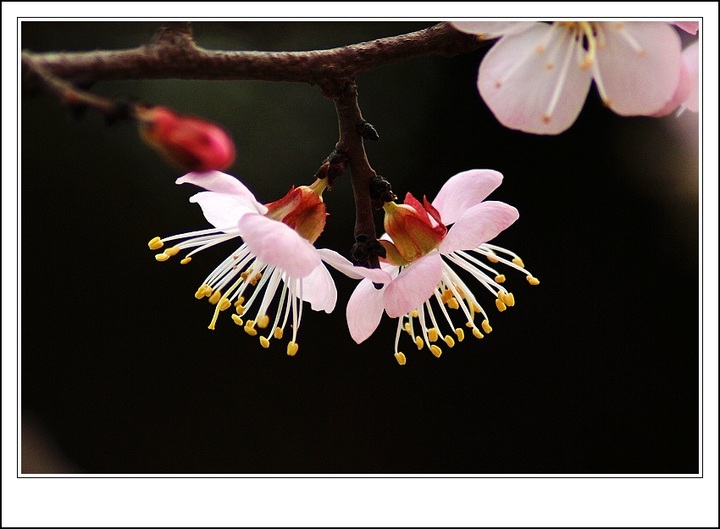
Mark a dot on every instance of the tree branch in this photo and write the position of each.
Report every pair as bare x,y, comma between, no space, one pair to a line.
173,54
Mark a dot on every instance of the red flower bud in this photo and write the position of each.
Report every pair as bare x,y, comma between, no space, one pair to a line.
188,142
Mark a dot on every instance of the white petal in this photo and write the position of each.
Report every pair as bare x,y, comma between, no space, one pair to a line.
478,225
465,190
222,210
414,285
277,244
319,289
222,183
341,264
639,66
533,81
364,310
490,30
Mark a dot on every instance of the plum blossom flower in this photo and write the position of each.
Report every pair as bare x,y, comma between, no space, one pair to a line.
423,257
276,258
537,76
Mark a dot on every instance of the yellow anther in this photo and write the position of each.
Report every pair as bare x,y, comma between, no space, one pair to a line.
414,313
237,319
433,334
434,349
477,334
419,342
400,358
246,273
186,260
446,296
453,303
162,257
486,326
292,348
491,257
215,297
278,333
171,251
264,342
518,262
407,327
224,304
240,300
469,325
203,291
533,280
450,341
254,279
509,299
263,321
155,243
460,334
250,328
500,278
500,305
239,309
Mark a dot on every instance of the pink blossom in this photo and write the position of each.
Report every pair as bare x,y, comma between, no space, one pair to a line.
276,257
691,63
420,249
537,76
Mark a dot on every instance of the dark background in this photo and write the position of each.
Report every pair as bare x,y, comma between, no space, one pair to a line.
594,371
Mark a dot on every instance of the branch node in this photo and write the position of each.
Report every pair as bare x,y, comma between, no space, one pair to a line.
367,131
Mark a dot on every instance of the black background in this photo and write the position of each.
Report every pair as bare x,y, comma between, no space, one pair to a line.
593,371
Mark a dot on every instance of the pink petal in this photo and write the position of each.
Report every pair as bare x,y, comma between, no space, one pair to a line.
222,183
364,310
279,245
478,225
690,27
533,81
638,65
413,286
681,92
692,63
319,289
222,210
465,190
490,30
341,264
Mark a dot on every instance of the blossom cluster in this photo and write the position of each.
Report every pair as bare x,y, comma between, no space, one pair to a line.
266,280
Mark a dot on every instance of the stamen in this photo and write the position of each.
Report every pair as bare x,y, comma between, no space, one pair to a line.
155,243
449,341
237,319
477,334
486,326
562,74
186,260
460,334
292,348
500,278
400,357
533,280
434,349
419,342
264,342
500,305
278,332
433,334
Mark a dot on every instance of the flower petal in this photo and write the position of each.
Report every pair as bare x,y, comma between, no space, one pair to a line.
638,65
465,190
222,183
413,286
681,92
338,262
478,225
692,63
491,30
222,210
319,289
364,310
533,82
690,27
275,243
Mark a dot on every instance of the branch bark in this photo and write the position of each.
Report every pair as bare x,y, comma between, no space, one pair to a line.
174,54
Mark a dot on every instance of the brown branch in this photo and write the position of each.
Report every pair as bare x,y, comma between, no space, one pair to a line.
174,54
351,145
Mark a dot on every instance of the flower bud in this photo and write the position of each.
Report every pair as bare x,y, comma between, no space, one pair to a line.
188,142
